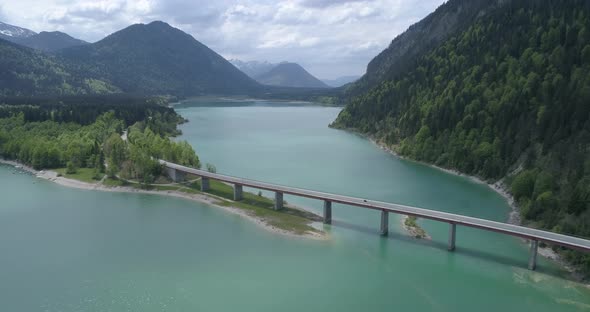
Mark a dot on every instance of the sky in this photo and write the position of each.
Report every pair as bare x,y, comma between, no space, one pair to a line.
330,38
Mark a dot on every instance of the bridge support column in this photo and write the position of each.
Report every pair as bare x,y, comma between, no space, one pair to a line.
180,175
533,255
278,200
204,184
327,212
237,192
452,235
175,175
384,223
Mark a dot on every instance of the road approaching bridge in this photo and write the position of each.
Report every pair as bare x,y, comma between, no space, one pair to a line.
177,172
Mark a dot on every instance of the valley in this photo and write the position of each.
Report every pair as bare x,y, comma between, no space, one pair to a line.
179,156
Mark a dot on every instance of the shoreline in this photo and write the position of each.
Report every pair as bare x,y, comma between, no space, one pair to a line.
500,188
207,199
245,99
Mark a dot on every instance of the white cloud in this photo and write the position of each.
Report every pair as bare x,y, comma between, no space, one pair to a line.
309,42
328,37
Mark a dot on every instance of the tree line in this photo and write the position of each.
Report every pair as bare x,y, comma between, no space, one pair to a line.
85,109
50,144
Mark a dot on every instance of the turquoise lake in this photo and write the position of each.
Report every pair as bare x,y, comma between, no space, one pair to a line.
65,249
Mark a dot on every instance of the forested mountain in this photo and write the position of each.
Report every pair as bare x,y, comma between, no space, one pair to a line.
49,41
505,95
152,59
25,72
420,38
149,59
159,59
290,75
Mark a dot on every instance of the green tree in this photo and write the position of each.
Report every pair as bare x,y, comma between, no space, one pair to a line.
115,151
211,168
71,167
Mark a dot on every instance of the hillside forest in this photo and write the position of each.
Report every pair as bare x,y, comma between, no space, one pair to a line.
506,98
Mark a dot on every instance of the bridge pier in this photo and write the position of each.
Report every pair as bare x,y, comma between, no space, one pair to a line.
204,184
175,175
452,235
179,173
237,192
327,212
533,254
278,201
384,223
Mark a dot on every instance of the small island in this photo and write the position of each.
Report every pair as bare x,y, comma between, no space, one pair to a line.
411,226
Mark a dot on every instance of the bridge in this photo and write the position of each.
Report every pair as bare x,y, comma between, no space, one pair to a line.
178,172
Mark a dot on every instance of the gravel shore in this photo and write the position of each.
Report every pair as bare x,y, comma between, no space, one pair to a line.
201,198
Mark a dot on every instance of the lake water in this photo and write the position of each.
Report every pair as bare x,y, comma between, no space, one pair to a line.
63,249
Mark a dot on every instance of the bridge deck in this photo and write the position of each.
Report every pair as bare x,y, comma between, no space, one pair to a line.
510,229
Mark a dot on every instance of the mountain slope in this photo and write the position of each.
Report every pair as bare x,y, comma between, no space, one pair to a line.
159,59
290,75
11,32
421,37
49,41
26,72
508,95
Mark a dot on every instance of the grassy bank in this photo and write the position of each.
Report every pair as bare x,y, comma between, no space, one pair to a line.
290,218
82,174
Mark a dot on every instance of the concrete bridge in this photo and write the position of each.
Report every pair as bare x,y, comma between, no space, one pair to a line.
177,173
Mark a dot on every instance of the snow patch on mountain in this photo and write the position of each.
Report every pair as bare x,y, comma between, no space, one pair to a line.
14,31
253,68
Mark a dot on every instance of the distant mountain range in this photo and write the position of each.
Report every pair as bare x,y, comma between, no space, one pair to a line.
150,59
284,74
50,41
340,81
158,58
290,75
44,41
253,68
